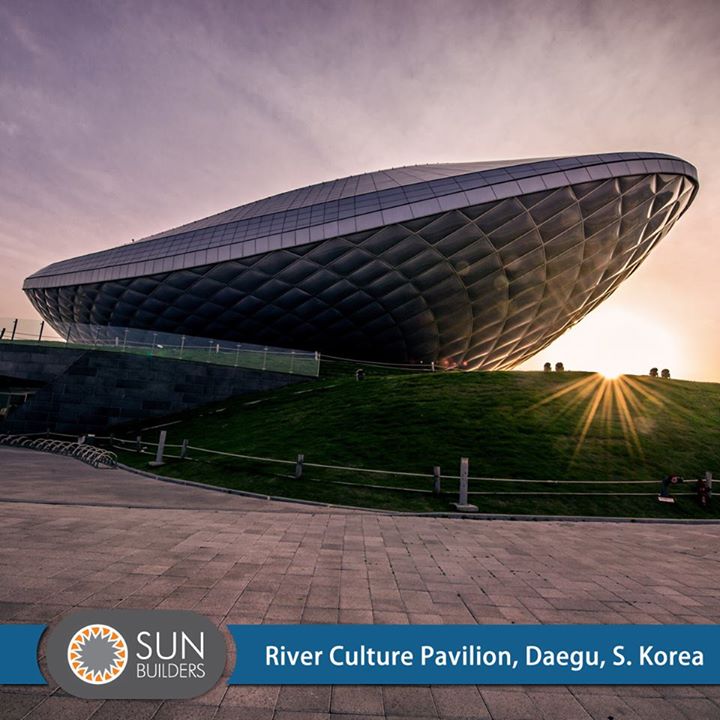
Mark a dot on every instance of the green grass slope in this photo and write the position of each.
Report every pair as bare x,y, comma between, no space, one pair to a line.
537,426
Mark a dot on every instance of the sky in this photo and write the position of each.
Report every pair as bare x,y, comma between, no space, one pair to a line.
122,119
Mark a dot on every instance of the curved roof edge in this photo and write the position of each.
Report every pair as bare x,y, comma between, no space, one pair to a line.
200,243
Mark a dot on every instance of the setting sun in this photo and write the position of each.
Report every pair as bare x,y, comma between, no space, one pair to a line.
614,342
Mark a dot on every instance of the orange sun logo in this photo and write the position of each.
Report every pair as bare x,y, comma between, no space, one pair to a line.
97,654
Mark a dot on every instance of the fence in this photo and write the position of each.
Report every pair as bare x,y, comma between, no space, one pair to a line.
163,345
428,483
24,330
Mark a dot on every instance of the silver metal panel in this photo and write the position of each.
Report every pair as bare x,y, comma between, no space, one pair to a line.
481,286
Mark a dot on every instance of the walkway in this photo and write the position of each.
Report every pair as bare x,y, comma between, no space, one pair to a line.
242,560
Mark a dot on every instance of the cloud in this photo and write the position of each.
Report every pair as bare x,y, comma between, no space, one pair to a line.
119,120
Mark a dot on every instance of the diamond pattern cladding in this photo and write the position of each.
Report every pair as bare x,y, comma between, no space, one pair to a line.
483,287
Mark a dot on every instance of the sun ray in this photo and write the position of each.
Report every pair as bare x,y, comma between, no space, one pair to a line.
621,404
589,416
627,422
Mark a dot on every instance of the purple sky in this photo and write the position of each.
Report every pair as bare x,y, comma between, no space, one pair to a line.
121,119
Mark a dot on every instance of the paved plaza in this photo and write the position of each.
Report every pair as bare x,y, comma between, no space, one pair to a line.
75,537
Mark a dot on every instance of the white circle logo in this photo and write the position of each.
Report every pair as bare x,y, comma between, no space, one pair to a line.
97,654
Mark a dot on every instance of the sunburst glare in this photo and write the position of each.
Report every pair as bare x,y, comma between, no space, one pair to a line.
603,401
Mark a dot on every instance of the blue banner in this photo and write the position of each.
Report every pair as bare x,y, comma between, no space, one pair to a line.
18,655
476,654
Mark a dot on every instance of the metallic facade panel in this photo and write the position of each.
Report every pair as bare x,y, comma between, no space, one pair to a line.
471,265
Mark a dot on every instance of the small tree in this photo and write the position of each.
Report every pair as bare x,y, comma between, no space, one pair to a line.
665,373
547,367
559,367
653,372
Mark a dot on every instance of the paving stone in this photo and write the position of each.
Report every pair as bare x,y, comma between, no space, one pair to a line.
559,706
120,710
460,701
64,708
15,706
357,700
309,698
506,705
698,708
606,706
184,711
655,708
412,701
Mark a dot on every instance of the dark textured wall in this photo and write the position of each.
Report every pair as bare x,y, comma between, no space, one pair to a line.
37,363
92,390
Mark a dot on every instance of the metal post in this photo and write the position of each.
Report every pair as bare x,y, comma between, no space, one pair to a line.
160,450
12,336
436,481
183,449
42,327
237,355
125,340
264,367
709,479
299,466
67,334
182,346
292,361
152,352
138,441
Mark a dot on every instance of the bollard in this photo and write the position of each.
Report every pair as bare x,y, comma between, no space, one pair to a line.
462,504
709,479
463,496
436,481
160,450
299,466
138,441
183,449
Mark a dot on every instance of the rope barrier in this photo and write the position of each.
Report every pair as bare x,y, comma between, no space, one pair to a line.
398,473
96,456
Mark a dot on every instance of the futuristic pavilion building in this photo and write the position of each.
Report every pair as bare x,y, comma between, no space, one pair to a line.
476,265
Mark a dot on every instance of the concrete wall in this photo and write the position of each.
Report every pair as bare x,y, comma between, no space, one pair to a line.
92,390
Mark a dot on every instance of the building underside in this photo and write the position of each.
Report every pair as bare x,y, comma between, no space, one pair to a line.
478,285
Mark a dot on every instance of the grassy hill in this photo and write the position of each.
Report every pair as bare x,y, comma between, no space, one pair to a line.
535,426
